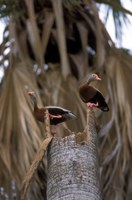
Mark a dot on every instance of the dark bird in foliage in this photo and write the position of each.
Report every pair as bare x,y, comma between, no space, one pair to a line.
91,96
57,114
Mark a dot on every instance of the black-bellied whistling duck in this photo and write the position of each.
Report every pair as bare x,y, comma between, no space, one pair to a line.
91,96
57,114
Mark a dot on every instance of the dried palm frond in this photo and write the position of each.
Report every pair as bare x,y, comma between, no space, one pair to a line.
57,5
33,33
116,139
34,166
20,136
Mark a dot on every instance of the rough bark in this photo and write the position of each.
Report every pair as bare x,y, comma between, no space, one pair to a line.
73,171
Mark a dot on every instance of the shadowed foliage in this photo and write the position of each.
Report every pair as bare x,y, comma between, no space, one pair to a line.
50,47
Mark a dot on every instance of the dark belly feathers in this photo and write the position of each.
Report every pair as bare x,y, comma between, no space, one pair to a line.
92,95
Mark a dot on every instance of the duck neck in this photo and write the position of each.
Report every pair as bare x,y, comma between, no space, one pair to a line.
34,102
89,81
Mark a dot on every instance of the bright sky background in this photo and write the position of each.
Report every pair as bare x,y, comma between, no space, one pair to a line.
127,28
126,31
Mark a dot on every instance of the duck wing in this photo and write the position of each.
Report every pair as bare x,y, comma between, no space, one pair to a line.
87,92
98,97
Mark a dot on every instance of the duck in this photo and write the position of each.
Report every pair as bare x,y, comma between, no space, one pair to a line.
57,114
91,95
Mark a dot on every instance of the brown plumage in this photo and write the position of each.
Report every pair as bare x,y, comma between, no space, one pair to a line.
57,114
91,96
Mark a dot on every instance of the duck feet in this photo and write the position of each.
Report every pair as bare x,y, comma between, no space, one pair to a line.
92,105
55,116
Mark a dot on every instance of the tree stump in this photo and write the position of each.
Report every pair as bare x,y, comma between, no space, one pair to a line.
73,170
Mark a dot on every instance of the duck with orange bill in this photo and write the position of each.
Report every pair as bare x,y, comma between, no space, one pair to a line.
57,114
91,95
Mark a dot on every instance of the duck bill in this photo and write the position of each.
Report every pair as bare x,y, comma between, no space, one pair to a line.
98,79
31,93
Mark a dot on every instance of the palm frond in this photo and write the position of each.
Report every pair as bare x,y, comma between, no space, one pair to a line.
19,134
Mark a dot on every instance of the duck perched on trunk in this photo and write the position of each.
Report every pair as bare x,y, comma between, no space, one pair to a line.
91,96
57,114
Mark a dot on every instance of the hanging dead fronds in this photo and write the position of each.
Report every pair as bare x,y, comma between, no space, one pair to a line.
116,135
17,144
34,166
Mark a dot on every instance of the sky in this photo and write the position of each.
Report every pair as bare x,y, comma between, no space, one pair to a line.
127,28
126,31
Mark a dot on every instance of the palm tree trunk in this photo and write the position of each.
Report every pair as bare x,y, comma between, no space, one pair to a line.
73,171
